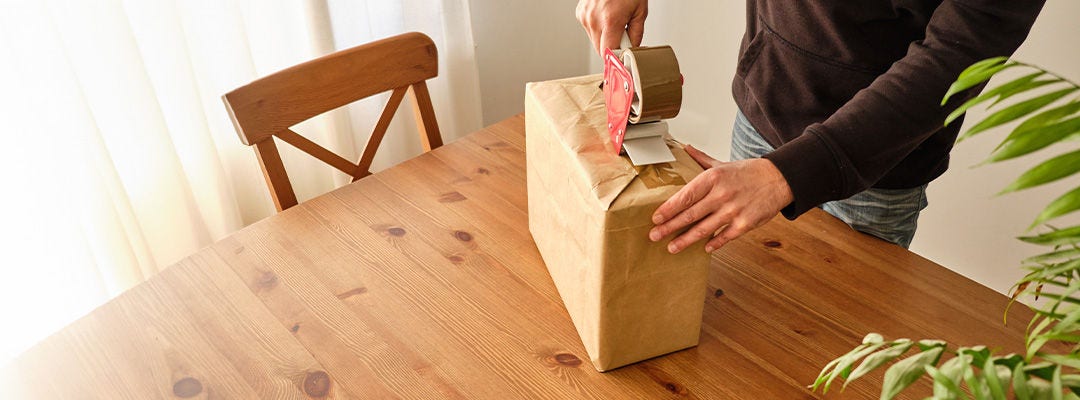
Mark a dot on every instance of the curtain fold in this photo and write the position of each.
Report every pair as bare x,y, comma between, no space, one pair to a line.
119,157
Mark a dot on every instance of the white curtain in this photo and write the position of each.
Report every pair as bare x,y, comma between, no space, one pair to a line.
117,158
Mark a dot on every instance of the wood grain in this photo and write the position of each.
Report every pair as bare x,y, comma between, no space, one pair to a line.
422,281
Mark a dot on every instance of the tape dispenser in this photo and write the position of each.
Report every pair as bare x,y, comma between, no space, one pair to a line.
642,87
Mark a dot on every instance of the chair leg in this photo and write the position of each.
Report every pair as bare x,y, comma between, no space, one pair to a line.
425,116
274,172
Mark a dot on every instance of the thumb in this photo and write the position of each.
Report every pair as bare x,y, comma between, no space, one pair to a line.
702,159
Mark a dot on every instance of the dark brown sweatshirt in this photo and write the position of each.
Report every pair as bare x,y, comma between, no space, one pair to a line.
849,91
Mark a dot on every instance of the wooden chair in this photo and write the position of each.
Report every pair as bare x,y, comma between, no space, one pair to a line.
267,107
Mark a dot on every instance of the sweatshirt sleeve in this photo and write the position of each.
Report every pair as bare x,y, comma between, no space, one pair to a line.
875,130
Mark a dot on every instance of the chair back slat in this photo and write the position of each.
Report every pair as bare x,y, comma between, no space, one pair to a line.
363,168
283,99
312,148
270,106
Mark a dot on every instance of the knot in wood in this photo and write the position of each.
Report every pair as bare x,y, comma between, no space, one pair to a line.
187,387
567,359
317,384
463,236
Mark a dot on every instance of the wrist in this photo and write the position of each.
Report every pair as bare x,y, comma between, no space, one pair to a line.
776,182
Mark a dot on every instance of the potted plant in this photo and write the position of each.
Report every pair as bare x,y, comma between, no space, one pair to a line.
1048,116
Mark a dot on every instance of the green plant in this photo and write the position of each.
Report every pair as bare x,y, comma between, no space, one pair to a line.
1046,117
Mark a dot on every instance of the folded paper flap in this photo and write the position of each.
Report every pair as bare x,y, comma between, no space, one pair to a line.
653,185
575,107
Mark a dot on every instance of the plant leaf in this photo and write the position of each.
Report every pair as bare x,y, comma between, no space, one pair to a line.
826,372
1006,90
1042,370
1035,138
1056,237
975,74
902,374
1055,384
990,374
981,65
1065,204
1068,361
975,383
1039,389
927,344
944,387
978,354
1072,382
1046,172
1054,255
1048,272
947,379
879,358
1020,383
1017,90
1015,111
1044,118
841,367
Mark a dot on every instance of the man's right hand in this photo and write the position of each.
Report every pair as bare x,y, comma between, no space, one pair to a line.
607,20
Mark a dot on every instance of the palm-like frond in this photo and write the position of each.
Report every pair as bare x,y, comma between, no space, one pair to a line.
1048,108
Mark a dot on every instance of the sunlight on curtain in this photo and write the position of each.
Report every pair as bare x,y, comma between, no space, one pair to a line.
118,158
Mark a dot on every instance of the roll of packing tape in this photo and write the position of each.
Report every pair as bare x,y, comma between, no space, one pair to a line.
658,82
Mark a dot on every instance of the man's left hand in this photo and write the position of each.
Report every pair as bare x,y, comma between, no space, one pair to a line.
724,202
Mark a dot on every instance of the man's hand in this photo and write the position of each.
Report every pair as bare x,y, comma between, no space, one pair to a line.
606,20
726,201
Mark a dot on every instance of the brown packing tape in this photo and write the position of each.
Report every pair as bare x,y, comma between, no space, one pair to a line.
658,83
657,175
663,174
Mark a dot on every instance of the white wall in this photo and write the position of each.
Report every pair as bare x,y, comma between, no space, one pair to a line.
965,227
523,41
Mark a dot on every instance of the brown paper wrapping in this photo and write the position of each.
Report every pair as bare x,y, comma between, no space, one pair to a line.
590,213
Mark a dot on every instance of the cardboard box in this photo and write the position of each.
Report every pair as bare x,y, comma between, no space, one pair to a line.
590,213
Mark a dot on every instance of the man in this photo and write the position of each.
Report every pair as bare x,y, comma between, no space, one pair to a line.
839,108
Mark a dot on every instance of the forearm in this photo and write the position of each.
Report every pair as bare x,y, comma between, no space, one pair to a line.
876,129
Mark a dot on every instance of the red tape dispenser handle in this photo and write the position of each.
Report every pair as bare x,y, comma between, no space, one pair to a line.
618,94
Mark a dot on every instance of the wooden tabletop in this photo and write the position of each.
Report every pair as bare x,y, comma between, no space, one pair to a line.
422,281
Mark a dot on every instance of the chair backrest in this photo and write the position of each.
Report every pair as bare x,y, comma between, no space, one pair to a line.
267,107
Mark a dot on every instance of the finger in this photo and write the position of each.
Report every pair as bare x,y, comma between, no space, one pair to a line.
611,36
636,28
687,217
588,21
683,199
703,230
594,39
702,159
731,232
590,31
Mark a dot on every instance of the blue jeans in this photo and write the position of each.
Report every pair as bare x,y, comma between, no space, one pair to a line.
890,214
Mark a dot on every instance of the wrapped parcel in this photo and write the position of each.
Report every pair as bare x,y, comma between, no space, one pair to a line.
590,213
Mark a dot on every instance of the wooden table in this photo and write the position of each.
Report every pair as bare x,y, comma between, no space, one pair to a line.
422,281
